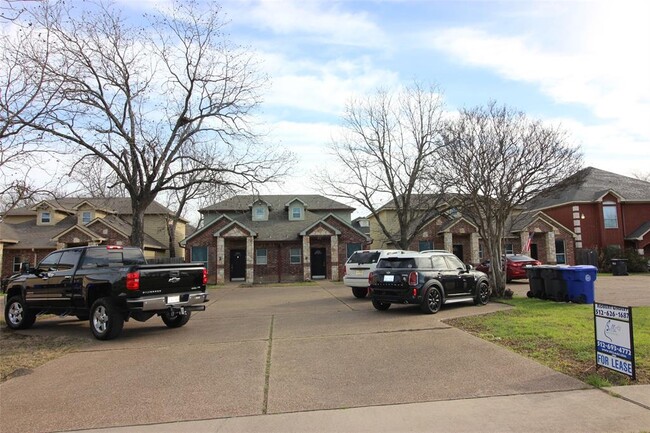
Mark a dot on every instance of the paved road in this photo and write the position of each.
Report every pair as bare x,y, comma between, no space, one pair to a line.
308,358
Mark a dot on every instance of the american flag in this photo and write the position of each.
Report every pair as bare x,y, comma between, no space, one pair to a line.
530,239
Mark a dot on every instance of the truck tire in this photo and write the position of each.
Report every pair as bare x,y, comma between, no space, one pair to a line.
174,319
17,315
360,292
482,294
432,300
106,322
381,306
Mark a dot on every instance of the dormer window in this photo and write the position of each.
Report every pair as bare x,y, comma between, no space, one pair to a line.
46,217
86,216
296,213
260,213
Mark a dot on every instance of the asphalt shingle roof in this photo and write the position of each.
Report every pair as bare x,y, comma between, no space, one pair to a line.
277,202
589,185
117,205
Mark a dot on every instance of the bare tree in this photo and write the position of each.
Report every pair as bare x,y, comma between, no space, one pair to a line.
498,159
143,100
95,178
20,86
389,139
642,176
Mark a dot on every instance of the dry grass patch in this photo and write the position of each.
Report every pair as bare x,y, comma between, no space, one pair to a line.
21,353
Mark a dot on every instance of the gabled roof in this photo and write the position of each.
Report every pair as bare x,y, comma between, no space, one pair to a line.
91,234
39,237
640,232
591,185
449,224
521,222
242,203
117,205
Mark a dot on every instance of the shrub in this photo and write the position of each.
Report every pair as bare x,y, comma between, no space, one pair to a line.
635,262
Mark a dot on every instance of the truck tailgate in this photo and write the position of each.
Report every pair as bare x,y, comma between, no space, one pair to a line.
170,278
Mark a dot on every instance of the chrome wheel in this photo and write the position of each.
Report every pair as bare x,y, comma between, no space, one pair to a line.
100,319
15,313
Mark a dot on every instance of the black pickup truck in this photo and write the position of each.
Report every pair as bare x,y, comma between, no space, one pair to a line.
427,279
106,285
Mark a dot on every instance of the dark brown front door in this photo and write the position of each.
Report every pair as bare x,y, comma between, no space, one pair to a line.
237,265
458,251
318,260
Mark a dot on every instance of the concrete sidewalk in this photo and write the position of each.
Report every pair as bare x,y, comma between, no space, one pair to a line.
586,411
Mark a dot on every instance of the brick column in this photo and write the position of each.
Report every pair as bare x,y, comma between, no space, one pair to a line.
306,258
449,241
250,259
221,260
550,248
473,248
523,240
334,253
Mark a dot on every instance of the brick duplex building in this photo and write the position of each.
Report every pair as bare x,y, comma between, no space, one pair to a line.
275,238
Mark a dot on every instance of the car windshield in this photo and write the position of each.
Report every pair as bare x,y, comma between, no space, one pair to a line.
364,257
521,259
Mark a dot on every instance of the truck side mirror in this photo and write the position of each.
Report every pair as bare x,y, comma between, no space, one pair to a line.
24,268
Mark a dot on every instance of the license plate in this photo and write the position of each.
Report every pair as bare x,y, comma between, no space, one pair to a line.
173,299
389,278
359,272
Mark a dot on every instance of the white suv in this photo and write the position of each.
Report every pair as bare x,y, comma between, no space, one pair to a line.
359,266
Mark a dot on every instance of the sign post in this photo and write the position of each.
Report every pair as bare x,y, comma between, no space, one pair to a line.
614,338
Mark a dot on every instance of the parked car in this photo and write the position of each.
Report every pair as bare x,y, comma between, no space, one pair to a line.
427,279
359,266
107,285
515,265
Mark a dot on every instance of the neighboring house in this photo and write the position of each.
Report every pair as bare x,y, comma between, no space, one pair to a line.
603,209
28,234
567,224
275,238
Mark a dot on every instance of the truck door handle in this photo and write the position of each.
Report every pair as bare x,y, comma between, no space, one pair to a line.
66,278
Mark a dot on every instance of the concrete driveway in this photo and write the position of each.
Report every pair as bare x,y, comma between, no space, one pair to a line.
267,350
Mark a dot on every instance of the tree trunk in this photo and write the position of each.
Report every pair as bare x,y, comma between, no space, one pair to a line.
138,206
171,228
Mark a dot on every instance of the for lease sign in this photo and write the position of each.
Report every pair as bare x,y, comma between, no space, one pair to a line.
614,338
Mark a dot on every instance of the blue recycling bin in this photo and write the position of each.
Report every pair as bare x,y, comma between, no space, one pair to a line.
580,283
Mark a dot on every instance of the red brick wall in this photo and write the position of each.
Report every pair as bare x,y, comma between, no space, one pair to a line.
112,237
33,257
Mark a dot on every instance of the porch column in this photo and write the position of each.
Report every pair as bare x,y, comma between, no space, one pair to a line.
221,262
250,259
473,248
2,247
550,248
306,258
523,240
449,241
334,253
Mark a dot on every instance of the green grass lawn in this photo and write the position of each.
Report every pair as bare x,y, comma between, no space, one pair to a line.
561,336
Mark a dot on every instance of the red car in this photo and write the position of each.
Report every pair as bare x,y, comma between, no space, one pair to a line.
515,266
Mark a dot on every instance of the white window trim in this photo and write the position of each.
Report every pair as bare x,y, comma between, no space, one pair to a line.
265,213
49,217
292,216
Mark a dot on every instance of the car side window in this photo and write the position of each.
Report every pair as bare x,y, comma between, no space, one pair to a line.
69,260
454,263
50,262
95,258
439,263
